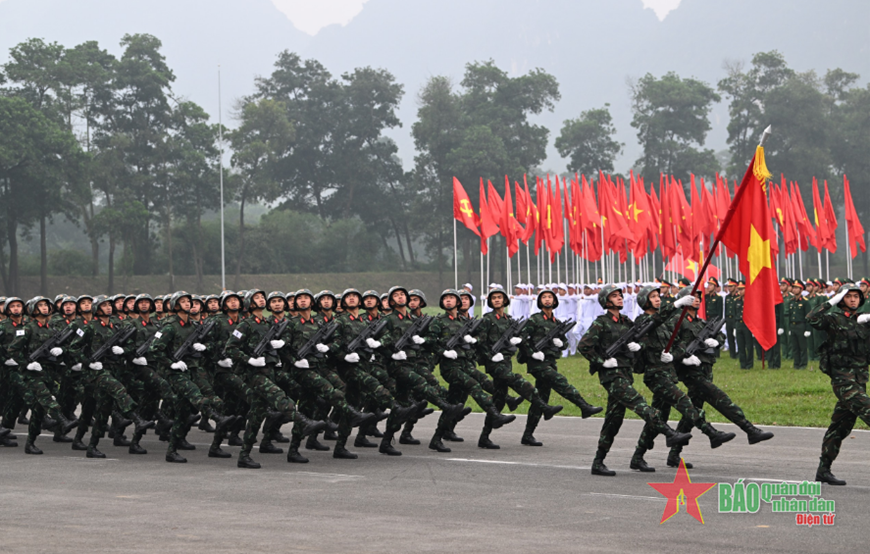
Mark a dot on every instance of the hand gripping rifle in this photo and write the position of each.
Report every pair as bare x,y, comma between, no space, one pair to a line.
55,340
417,328
635,334
710,330
372,330
468,328
561,329
275,331
118,338
514,330
198,334
323,334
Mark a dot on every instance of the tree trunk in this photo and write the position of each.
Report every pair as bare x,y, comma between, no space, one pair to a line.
12,232
43,259
111,285
408,241
95,243
399,242
168,226
198,251
241,253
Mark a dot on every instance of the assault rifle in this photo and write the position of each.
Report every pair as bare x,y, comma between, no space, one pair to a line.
323,334
197,336
417,328
276,330
145,346
710,330
468,328
562,328
54,341
515,328
372,330
634,334
118,338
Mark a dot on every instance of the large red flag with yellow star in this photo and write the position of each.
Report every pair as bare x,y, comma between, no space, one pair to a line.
748,232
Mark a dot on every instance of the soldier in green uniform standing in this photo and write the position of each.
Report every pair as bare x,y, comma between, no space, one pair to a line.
616,376
745,340
731,317
785,289
798,311
844,358
715,305
498,365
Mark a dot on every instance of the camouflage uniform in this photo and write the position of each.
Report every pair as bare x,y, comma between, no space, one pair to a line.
230,386
844,358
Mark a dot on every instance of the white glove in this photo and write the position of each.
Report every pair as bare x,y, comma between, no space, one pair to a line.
372,343
277,344
117,351
610,363
711,343
34,366
353,358
56,351
469,339
226,362
667,357
372,358
863,318
96,365
199,347
838,297
685,302
558,343
807,333
516,340
538,356
691,360
322,348
420,340
780,331
140,361
301,364
257,362
179,365
10,362
633,347
399,356
77,367
498,358
451,354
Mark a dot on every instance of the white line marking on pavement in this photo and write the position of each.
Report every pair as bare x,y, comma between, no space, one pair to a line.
657,499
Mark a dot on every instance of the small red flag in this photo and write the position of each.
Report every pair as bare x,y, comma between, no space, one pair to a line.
856,230
462,209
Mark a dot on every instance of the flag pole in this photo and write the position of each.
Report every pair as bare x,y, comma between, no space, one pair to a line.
455,260
725,223
221,166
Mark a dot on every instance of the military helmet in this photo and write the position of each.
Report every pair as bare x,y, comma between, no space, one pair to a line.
99,300
418,293
198,298
322,294
248,302
33,302
686,291
2,301
211,297
144,296
173,300
643,296
309,294
371,292
58,298
225,295
275,294
67,298
395,289
10,300
852,287
463,292
606,291
449,292
348,292
493,290
544,291
289,295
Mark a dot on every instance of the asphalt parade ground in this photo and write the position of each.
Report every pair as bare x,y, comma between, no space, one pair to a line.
516,499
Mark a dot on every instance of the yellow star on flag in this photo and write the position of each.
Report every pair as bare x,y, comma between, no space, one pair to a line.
758,254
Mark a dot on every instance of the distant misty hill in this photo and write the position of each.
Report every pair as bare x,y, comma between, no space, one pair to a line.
592,47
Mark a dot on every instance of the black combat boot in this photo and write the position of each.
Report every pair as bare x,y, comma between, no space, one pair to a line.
266,447
4,431
204,425
436,444
221,422
674,460
358,418
184,445
77,443
386,446
754,434
824,475
362,442
638,463
550,411
499,420
407,438
135,448
64,424
588,410
450,435
293,455
513,402
22,417
30,448
401,414
598,467
313,444
245,462
141,424
485,442
718,438
234,439
308,426
120,440
530,440
60,437
343,453
93,452
218,452
675,438
277,436
173,457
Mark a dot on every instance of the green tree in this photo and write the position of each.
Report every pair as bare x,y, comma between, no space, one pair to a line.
588,141
671,118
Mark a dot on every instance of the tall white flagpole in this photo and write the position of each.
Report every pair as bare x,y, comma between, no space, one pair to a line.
221,166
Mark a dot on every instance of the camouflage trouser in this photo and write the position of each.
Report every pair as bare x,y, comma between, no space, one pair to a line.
293,391
852,403
503,378
621,394
156,387
666,394
424,370
266,396
362,387
71,389
109,393
202,379
318,383
380,373
547,379
31,390
701,389
462,379
189,400
410,386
